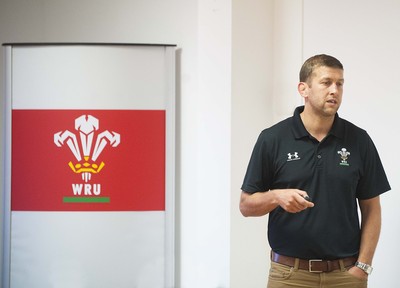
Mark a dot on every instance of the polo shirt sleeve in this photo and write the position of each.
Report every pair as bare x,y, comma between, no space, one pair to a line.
258,175
373,180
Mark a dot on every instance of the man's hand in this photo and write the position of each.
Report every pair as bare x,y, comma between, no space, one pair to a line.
358,273
292,200
261,203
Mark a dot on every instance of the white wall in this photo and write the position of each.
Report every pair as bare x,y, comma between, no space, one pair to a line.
202,31
252,46
266,57
267,53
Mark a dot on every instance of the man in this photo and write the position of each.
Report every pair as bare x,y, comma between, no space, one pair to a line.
308,172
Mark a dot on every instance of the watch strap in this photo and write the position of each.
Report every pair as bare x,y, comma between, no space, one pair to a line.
365,267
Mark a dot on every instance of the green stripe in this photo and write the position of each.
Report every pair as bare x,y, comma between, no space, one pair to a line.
86,200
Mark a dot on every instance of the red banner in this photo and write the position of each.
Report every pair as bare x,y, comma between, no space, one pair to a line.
88,160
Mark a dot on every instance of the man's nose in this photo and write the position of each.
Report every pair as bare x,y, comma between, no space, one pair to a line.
334,89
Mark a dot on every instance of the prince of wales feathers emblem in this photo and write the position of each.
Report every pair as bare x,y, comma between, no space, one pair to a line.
86,125
344,155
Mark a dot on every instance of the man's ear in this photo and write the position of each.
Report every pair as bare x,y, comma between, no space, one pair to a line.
302,87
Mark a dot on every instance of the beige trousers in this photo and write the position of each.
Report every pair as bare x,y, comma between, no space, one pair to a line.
281,276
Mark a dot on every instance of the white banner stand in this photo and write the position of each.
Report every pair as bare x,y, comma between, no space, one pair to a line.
83,224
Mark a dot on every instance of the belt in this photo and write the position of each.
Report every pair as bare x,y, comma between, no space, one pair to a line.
313,265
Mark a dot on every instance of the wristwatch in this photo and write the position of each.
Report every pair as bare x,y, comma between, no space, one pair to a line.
365,267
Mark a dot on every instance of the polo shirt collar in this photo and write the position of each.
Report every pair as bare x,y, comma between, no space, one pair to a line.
300,131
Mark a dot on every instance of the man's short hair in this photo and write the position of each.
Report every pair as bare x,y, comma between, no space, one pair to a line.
316,61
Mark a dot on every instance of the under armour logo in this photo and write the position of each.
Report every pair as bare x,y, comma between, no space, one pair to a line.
293,157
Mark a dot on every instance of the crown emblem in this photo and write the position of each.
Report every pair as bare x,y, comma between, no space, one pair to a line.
87,127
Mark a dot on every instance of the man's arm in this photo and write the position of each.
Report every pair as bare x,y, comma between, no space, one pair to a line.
370,231
261,203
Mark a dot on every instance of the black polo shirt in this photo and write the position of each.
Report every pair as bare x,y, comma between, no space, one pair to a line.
334,172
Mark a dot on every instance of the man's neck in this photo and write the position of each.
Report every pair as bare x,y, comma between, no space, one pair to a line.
317,126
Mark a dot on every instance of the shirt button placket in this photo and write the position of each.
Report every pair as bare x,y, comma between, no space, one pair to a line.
318,158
